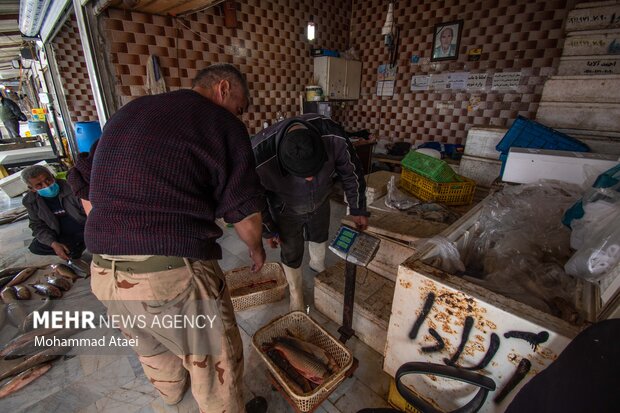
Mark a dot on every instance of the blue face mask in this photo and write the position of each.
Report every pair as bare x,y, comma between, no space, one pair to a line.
49,192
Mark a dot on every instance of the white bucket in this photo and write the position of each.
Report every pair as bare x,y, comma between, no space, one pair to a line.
314,93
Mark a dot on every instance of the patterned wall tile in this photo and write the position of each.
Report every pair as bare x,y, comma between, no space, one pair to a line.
268,46
72,67
515,35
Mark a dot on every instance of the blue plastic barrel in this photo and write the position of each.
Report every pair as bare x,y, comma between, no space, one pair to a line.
86,133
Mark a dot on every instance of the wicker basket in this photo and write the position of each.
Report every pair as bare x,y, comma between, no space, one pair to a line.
242,277
307,329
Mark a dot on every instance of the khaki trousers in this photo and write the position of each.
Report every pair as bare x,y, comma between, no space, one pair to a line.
215,379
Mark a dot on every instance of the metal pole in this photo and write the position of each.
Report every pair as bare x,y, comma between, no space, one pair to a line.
346,331
87,47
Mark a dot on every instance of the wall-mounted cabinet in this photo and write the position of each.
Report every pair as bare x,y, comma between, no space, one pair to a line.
339,78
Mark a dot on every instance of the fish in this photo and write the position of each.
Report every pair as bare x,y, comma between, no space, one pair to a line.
2,315
65,271
23,379
22,276
22,292
253,288
24,345
22,339
28,323
16,313
13,367
48,290
80,267
319,353
298,383
304,363
10,272
61,282
8,295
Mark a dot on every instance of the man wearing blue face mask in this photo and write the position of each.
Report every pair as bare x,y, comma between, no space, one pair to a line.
56,216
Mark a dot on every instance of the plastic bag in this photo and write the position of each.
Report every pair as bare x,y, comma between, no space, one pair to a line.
598,237
397,199
444,255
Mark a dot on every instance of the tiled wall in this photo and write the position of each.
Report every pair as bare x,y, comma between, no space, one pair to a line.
72,67
515,35
268,45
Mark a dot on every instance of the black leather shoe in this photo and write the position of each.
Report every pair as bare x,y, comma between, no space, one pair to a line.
256,405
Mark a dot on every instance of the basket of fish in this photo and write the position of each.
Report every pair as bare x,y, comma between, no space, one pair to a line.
249,289
306,360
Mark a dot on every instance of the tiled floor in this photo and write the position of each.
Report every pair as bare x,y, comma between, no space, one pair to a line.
113,384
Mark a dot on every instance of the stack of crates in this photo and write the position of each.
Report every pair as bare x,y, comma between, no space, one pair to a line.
431,179
525,133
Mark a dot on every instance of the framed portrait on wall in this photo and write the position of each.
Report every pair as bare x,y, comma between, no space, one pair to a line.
446,40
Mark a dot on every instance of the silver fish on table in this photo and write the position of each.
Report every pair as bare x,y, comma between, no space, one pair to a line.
48,290
10,368
58,281
22,276
22,292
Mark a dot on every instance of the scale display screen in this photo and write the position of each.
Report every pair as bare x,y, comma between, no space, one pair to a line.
353,246
344,240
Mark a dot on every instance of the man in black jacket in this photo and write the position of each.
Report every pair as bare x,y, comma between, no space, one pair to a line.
297,160
10,115
56,216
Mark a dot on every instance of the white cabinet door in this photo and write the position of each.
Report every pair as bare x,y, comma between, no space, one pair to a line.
354,74
339,78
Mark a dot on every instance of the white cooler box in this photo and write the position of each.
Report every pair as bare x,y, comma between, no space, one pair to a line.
449,300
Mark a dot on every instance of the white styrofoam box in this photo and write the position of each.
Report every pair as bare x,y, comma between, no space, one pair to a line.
526,165
594,88
13,185
428,298
593,16
592,116
482,170
590,43
589,65
598,142
481,142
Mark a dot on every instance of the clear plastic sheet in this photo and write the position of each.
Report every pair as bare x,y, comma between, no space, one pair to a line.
519,246
444,256
397,199
596,237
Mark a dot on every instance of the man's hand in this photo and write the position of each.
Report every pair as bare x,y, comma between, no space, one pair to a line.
258,257
361,222
61,250
274,241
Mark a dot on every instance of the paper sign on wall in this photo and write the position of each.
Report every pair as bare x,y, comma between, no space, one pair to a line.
419,83
457,80
477,81
506,80
385,88
439,81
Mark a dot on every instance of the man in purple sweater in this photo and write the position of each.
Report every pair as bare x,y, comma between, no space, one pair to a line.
165,167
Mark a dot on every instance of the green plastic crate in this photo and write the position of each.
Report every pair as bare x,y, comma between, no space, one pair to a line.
429,167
